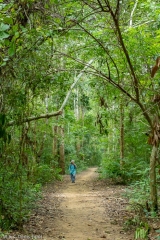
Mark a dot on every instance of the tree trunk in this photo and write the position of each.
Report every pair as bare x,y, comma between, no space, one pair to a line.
153,186
55,141
76,104
77,116
78,145
61,160
121,134
58,147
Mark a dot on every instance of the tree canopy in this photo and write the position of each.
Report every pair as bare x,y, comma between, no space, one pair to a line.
78,79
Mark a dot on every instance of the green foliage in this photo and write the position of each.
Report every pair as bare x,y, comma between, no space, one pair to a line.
4,136
18,197
3,31
141,228
138,192
139,225
127,172
134,164
158,237
45,173
110,169
40,57
142,231
81,165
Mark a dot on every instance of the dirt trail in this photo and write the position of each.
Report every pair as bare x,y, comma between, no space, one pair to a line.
85,210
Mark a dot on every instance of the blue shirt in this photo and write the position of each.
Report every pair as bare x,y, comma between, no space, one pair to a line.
72,169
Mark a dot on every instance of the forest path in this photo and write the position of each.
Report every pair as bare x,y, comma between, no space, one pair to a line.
86,210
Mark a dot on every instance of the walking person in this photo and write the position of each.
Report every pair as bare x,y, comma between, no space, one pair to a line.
72,170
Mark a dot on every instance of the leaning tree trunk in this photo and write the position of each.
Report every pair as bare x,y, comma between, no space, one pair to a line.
153,186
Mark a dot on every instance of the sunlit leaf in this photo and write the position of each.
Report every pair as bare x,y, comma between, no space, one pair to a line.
3,35
4,27
12,49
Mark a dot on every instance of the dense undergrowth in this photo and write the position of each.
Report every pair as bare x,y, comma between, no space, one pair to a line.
135,178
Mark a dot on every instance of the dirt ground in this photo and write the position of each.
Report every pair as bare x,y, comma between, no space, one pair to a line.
80,211
90,209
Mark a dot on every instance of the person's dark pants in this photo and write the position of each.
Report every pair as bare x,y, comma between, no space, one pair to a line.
73,178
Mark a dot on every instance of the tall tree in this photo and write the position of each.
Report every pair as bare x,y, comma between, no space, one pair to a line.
115,43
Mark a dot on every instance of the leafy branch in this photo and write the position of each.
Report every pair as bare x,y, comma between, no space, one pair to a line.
60,111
